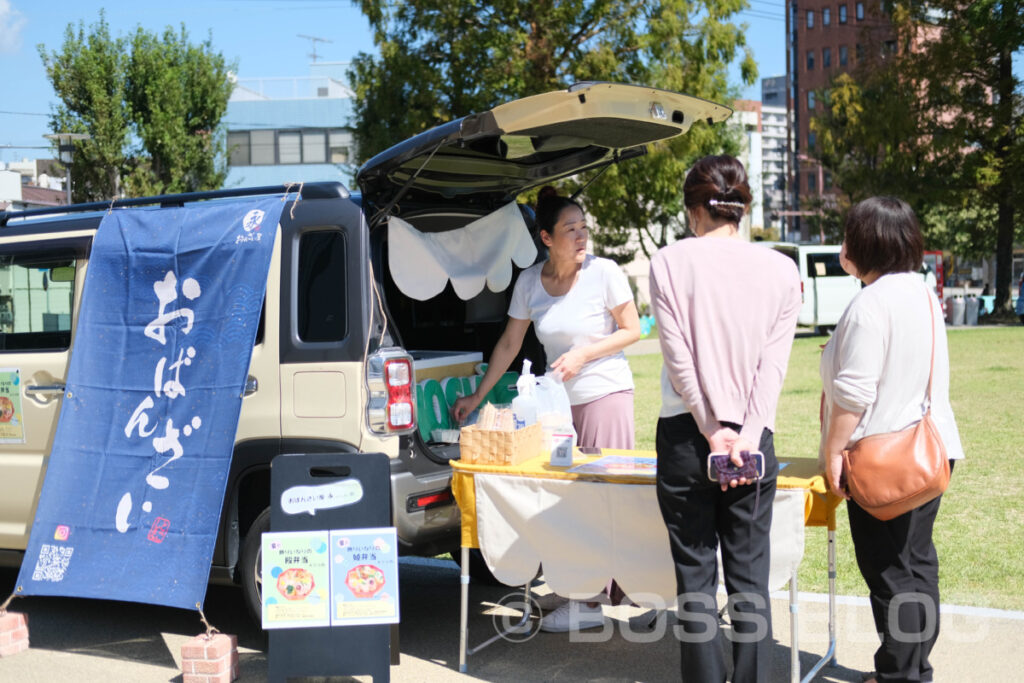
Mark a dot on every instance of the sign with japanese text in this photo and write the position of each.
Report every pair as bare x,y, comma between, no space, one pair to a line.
131,501
364,576
296,579
12,430
341,577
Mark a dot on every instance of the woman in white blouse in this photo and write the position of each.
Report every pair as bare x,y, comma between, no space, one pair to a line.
875,372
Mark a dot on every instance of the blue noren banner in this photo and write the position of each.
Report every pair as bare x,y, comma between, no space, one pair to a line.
131,501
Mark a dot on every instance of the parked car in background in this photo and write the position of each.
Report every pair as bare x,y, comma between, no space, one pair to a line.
825,288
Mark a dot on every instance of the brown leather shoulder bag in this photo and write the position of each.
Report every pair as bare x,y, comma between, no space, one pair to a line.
893,473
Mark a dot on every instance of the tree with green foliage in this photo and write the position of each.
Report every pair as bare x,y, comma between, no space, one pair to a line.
152,105
941,124
442,60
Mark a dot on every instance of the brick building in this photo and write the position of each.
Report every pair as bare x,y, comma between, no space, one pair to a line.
824,38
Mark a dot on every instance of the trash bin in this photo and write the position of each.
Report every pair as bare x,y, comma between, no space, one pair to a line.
955,310
971,304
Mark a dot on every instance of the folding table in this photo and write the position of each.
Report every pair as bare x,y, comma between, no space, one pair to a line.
585,529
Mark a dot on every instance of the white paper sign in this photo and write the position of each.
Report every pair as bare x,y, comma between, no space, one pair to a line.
324,497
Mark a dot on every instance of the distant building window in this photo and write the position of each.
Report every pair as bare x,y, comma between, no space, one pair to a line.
810,100
843,55
842,14
339,144
860,52
828,180
810,18
262,146
810,60
826,57
270,147
812,140
314,147
826,16
289,147
812,181
860,11
890,47
238,148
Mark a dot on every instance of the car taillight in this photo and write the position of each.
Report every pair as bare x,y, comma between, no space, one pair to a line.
398,378
391,391
801,291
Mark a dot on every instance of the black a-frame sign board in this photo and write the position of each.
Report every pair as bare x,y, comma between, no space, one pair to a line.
337,651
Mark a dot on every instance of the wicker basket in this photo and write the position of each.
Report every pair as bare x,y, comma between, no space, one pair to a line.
489,447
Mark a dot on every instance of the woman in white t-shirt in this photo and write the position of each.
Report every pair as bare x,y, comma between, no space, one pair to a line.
583,313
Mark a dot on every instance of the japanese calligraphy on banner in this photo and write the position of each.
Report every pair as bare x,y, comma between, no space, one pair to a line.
131,501
11,428
341,577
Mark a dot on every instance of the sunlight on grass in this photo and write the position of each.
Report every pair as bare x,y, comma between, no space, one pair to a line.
977,530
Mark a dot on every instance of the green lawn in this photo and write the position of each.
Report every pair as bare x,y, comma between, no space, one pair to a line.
980,552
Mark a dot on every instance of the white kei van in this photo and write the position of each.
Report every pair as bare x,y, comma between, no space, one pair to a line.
825,288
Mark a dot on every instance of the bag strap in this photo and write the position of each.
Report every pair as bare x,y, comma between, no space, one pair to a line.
931,369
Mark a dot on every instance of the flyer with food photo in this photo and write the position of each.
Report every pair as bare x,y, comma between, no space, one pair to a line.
12,430
296,579
364,576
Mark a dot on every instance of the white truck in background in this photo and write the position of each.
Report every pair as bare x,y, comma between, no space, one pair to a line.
825,288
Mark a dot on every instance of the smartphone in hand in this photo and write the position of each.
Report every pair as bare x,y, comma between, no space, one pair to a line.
722,470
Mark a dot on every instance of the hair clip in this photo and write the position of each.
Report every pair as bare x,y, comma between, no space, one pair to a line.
718,202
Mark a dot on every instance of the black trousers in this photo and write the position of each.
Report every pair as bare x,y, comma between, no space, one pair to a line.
699,517
898,562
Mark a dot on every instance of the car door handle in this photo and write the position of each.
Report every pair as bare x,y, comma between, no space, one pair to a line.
44,389
251,386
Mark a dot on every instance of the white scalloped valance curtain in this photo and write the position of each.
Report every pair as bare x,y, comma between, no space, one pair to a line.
476,254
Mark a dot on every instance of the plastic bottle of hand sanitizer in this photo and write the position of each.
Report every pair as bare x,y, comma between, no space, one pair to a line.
524,405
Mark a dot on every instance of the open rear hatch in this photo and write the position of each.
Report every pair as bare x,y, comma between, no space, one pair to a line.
485,160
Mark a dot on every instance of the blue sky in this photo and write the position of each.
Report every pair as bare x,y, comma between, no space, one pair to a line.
262,35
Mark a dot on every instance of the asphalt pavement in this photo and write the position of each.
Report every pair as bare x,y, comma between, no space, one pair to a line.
88,641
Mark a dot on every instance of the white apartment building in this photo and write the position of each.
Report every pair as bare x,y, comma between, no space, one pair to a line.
775,149
773,162
747,117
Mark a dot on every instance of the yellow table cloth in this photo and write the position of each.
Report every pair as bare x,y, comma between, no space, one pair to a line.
798,473
591,528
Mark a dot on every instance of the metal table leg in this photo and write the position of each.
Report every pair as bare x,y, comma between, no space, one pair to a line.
464,650
464,610
830,657
794,630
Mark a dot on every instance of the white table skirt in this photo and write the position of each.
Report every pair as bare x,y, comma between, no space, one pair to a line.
587,533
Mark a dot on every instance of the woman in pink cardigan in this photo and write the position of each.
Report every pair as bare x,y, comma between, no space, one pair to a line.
726,311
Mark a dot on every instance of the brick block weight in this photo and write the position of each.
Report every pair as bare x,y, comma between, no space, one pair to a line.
13,633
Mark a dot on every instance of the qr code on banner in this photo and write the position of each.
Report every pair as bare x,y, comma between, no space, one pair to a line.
52,563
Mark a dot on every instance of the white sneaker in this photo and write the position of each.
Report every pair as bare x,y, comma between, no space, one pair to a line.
549,601
572,616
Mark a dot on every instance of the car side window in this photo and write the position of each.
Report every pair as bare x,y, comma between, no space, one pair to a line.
37,293
824,265
322,313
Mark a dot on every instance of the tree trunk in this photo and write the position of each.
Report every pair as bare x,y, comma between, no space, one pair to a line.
1004,199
